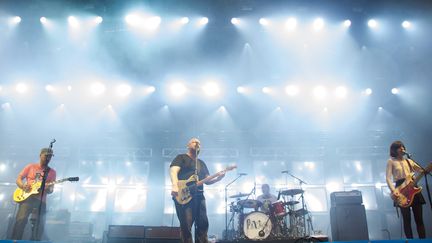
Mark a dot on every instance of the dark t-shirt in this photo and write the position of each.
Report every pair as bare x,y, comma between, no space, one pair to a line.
187,168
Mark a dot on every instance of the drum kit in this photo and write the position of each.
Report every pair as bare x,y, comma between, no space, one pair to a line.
281,219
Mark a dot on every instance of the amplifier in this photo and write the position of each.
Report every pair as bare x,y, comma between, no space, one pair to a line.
346,197
161,232
126,231
80,229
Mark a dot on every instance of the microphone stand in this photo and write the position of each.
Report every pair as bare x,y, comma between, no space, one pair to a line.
302,199
35,231
226,205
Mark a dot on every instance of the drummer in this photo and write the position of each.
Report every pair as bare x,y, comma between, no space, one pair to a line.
266,198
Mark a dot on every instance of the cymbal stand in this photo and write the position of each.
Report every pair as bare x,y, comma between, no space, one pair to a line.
302,218
232,223
226,204
310,228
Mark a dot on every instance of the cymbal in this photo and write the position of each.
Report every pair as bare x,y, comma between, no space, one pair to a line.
291,192
239,195
290,203
249,203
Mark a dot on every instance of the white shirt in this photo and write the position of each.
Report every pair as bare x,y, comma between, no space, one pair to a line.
399,169
266,201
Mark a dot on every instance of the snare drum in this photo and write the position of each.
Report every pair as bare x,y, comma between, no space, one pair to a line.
278,209
257,222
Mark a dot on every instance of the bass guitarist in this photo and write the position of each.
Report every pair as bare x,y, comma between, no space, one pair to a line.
399,169
33,173
194,212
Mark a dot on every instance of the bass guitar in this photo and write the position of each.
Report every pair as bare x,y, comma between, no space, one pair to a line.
408,189
187,187
20,195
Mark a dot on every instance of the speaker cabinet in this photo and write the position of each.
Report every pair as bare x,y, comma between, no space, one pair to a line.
142,234
348,222
162,234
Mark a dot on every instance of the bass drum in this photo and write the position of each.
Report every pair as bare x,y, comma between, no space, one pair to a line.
257,226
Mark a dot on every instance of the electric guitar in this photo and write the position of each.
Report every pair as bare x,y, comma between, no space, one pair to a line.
20,195
187,187
408,189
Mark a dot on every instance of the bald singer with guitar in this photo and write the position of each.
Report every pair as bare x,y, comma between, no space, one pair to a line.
188,174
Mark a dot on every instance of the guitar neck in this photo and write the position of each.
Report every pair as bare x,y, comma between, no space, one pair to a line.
200,183
209,178
55,182
421,174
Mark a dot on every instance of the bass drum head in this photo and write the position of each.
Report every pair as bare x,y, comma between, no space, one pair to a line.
254,223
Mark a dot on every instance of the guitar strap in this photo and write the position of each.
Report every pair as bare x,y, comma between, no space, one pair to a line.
428,191
427,185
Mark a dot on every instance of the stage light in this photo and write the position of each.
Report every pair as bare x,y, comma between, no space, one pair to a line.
368,91
358,166
132,19
177,89
2,167
2,196
395,91
291,90
372,23
73,22
97,88
43,20
21,88
110,107
291,23
380,108
69,88
203,21
16,20
263,21
341,92
318,24
150,89
6,106
333,186
241,89
153,22
211,89
49,88
325,109
320,92
266,90
98,20
124,90
406,24
347,23
235,21
184,20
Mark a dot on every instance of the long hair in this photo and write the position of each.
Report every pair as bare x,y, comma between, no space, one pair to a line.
394,147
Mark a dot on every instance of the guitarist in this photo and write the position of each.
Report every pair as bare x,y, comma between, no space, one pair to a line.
399,168
33,173
181,168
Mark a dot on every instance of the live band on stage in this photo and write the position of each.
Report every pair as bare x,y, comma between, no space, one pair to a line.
255,215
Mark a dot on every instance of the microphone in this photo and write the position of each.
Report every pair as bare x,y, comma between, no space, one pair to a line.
407,154
284,172
242,174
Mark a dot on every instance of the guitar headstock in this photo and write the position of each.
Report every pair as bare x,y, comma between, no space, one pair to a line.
231,167
73,179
